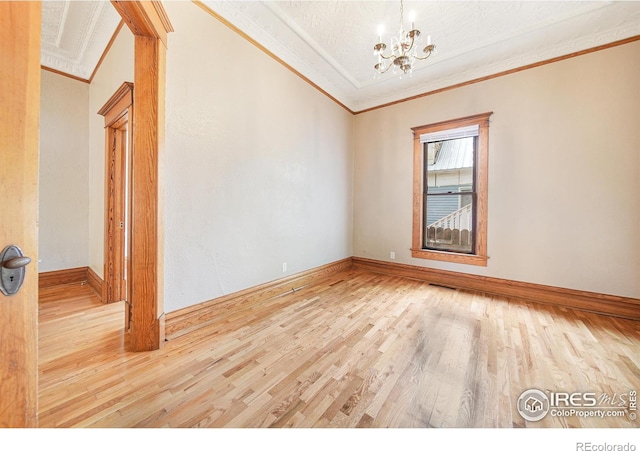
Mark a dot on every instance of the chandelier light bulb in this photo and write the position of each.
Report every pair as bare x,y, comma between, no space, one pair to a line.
380,32
412,19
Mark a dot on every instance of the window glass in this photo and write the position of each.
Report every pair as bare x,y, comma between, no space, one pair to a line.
450,193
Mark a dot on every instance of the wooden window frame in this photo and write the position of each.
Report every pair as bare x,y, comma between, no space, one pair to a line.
479,257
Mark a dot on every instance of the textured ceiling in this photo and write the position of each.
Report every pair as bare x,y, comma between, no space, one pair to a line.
75,34
331,41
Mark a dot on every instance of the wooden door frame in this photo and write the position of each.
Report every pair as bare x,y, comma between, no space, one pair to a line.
117,109
150,25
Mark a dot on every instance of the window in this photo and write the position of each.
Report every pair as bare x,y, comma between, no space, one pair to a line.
450,190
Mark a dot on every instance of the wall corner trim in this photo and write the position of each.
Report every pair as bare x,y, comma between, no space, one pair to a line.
95,282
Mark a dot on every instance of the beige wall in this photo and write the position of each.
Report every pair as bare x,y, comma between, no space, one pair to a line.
262,169
258,166
64,173
116,68
564,173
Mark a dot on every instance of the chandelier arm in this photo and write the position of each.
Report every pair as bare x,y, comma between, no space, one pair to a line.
413,41
428,51
422,58
382,71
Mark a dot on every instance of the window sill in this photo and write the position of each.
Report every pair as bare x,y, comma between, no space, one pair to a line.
452,257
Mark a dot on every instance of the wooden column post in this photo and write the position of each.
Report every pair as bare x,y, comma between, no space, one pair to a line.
150,25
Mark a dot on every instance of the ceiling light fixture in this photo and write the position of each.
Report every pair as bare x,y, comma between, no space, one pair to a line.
404,48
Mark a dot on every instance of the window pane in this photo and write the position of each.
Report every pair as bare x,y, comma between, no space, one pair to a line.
449,222
449,164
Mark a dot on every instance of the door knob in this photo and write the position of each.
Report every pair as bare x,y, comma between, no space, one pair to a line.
16,262
12,269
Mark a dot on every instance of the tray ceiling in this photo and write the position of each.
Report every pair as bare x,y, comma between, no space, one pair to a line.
75,35
330,41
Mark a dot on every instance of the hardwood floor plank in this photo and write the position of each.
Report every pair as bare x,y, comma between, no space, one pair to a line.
357,349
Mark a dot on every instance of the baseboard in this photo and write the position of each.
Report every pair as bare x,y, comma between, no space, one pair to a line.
188,319
72,275
605,304
62,276
95,282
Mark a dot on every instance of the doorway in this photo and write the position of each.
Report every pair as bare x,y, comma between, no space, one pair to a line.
118,131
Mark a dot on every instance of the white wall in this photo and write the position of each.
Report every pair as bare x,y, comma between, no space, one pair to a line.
64,173
258,166
564,173
116,68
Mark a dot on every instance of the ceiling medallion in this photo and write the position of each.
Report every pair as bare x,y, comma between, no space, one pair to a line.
404,48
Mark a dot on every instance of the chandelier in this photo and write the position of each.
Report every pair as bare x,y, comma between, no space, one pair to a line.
404,48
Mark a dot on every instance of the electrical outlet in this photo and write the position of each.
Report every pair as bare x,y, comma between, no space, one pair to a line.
284,267
392,255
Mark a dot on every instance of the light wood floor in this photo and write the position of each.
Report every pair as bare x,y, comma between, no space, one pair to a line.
357,350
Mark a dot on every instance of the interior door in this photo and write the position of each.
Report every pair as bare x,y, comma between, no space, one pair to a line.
117,113
117,209
120,131
19,138
123,136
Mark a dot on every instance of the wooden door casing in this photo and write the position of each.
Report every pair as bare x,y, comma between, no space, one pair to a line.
118,131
